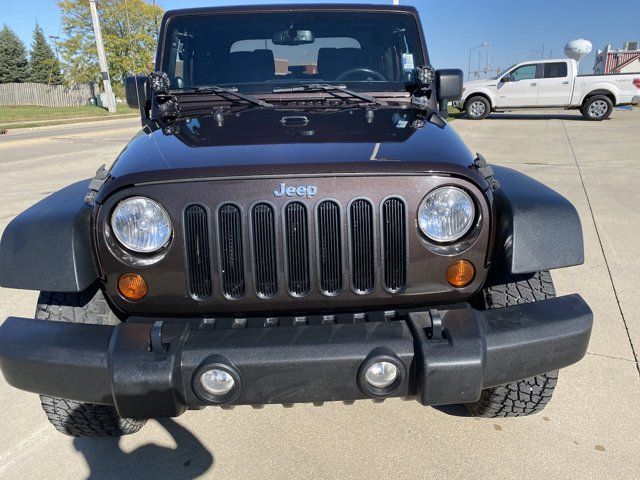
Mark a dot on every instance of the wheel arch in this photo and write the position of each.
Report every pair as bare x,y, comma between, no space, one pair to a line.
479,93
600,91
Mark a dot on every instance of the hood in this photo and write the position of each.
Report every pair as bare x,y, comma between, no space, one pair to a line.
479,83
397,140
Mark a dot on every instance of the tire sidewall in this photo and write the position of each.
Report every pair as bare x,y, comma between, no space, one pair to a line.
590,101
476,99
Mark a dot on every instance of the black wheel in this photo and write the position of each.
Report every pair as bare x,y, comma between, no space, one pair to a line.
68,416
531,395
477,108
598,107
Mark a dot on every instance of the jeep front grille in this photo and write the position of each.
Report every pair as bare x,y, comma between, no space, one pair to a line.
326,243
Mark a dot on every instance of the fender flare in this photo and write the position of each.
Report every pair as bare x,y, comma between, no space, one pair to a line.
536,227
49,246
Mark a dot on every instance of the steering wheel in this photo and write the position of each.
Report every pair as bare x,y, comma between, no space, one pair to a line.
362,70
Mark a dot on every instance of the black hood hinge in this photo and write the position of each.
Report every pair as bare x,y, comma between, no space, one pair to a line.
480,163
96,183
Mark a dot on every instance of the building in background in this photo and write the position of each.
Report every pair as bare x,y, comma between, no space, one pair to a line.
625,60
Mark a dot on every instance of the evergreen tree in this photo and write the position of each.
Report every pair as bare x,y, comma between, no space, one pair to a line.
13,57
43,64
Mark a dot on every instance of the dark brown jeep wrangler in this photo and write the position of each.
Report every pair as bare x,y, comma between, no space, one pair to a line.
295,222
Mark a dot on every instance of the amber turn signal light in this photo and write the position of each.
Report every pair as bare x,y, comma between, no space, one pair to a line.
132,286
460,273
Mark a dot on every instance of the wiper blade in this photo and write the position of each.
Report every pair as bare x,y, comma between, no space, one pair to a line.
228,93
331,89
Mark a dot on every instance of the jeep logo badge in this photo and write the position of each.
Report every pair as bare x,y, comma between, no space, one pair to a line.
301,191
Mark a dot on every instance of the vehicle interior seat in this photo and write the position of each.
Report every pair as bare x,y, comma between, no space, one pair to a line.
334,61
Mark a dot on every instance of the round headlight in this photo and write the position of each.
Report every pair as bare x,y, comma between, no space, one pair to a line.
446,214
141,225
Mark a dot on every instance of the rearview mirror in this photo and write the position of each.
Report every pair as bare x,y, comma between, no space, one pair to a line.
448,88
293,37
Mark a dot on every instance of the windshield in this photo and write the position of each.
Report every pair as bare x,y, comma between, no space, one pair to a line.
503,72
257,52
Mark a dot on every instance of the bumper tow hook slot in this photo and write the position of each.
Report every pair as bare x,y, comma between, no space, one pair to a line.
155,340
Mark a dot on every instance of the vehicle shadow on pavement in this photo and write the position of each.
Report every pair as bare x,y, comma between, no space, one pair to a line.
107,460
539,116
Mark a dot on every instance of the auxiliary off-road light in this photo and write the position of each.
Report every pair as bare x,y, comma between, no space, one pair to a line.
381,374
132,286
217,382
460,273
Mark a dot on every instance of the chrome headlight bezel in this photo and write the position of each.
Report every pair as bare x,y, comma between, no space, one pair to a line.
458,236
160,217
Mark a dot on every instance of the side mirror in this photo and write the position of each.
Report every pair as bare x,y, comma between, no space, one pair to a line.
135,88
507,78
448,88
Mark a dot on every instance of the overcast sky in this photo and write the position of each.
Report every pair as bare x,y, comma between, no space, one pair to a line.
514,28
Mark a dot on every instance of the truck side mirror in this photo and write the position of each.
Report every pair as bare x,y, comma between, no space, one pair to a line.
135,88
507,78
448,88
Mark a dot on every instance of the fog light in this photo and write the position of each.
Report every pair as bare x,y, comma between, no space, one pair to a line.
217,382
381,374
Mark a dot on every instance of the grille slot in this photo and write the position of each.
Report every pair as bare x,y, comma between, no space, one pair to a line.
394,239
231,253
264,250
196,225
362,246
329,247
297,241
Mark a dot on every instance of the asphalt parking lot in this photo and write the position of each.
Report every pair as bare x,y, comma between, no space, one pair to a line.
591,429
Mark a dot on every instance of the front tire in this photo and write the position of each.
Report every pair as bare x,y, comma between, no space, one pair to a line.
477,108
531,395
597,108
68,416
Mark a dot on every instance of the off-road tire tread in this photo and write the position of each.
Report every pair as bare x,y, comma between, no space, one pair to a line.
86,419
519,290
531,395
516,399
68,416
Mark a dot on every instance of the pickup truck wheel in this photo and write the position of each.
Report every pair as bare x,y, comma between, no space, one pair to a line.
68,416
477,108
531,395
598,107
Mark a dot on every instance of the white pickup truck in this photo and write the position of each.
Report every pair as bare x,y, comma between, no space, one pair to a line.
549,83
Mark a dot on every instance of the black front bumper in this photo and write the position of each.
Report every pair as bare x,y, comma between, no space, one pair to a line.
150,369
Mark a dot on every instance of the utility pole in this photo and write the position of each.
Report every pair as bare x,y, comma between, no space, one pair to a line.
102,58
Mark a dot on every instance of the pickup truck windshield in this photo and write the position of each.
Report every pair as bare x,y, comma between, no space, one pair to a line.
258,52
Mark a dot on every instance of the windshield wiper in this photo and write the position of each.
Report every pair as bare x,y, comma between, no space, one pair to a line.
330,89
226,93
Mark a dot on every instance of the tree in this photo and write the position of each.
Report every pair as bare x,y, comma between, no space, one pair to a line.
43,64
13,57
129,29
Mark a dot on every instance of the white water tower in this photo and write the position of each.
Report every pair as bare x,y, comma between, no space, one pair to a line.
577,49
